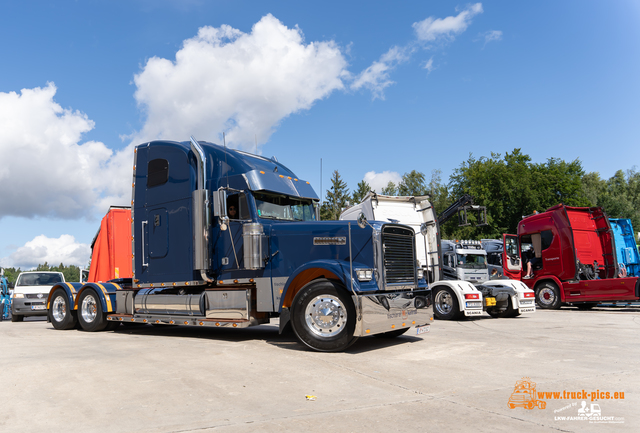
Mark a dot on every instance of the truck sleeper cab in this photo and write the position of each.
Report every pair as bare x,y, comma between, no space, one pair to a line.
221,237
576,258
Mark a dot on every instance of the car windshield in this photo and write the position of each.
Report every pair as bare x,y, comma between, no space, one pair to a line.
472,261
38,279
286,208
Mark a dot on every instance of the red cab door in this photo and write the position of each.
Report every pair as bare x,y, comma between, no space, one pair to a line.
511,260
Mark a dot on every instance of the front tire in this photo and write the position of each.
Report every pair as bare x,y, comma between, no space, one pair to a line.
323,316
445,304
548,296
17,318
60,314
90,315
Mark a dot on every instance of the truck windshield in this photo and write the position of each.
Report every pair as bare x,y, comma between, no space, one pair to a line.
286,208
472,261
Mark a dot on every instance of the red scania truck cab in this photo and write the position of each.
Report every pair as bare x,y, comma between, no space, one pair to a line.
573,255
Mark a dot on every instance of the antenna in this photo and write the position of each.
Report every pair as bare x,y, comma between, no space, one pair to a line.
256,136
321,201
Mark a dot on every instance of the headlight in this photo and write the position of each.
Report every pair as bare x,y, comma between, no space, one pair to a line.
364,274
18,295
420,273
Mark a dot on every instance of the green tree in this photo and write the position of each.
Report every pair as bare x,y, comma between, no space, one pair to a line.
337,198
619,195
71,272
438,192
360,193
390,189
11,274
512,187
413,184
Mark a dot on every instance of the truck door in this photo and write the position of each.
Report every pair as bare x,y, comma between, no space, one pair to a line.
449,267
162,214
511,260
232,257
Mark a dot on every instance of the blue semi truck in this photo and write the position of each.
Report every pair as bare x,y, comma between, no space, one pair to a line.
224,238
626,249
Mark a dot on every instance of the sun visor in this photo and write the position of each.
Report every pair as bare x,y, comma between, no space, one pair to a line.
259,180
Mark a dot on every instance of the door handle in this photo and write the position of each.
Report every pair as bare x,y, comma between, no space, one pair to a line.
144,226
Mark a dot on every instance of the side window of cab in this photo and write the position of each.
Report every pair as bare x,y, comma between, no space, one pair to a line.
238,206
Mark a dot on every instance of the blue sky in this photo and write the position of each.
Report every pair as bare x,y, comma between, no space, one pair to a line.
374,89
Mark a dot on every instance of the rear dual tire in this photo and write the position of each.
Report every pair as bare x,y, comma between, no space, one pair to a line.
61,313
91,316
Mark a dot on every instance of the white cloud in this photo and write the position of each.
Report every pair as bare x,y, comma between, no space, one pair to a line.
241,83
54,251
433,29
46,170
377,181
429,65
376,77
491,35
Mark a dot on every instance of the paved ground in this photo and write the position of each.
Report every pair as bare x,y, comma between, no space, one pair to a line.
458,377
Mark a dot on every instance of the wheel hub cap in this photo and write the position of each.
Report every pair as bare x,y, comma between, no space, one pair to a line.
59,309
325,316
444,303
547,296
89,309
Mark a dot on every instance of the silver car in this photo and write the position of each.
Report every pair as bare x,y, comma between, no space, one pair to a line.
31,292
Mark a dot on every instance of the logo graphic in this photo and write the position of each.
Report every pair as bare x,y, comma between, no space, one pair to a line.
588,412
524,395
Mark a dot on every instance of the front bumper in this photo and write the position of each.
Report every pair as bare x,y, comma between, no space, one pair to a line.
392,311
29,307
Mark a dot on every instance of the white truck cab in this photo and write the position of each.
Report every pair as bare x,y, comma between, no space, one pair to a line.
451,299
31,292
464,289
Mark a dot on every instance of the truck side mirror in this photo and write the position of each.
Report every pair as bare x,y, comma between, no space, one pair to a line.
220,203
362,220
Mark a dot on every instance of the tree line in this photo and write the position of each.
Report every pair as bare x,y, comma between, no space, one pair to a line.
71,272
510,186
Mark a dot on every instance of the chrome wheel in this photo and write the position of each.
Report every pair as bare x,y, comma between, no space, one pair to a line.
547,297
325,316
89,309
444,302
59,308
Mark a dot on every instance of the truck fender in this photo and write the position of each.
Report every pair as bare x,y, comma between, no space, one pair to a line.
555,281
70,288
329,269
106,292
459,287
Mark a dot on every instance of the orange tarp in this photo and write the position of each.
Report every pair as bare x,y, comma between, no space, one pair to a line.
111,257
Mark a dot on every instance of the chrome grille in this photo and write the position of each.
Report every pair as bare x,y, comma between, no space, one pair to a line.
399,255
